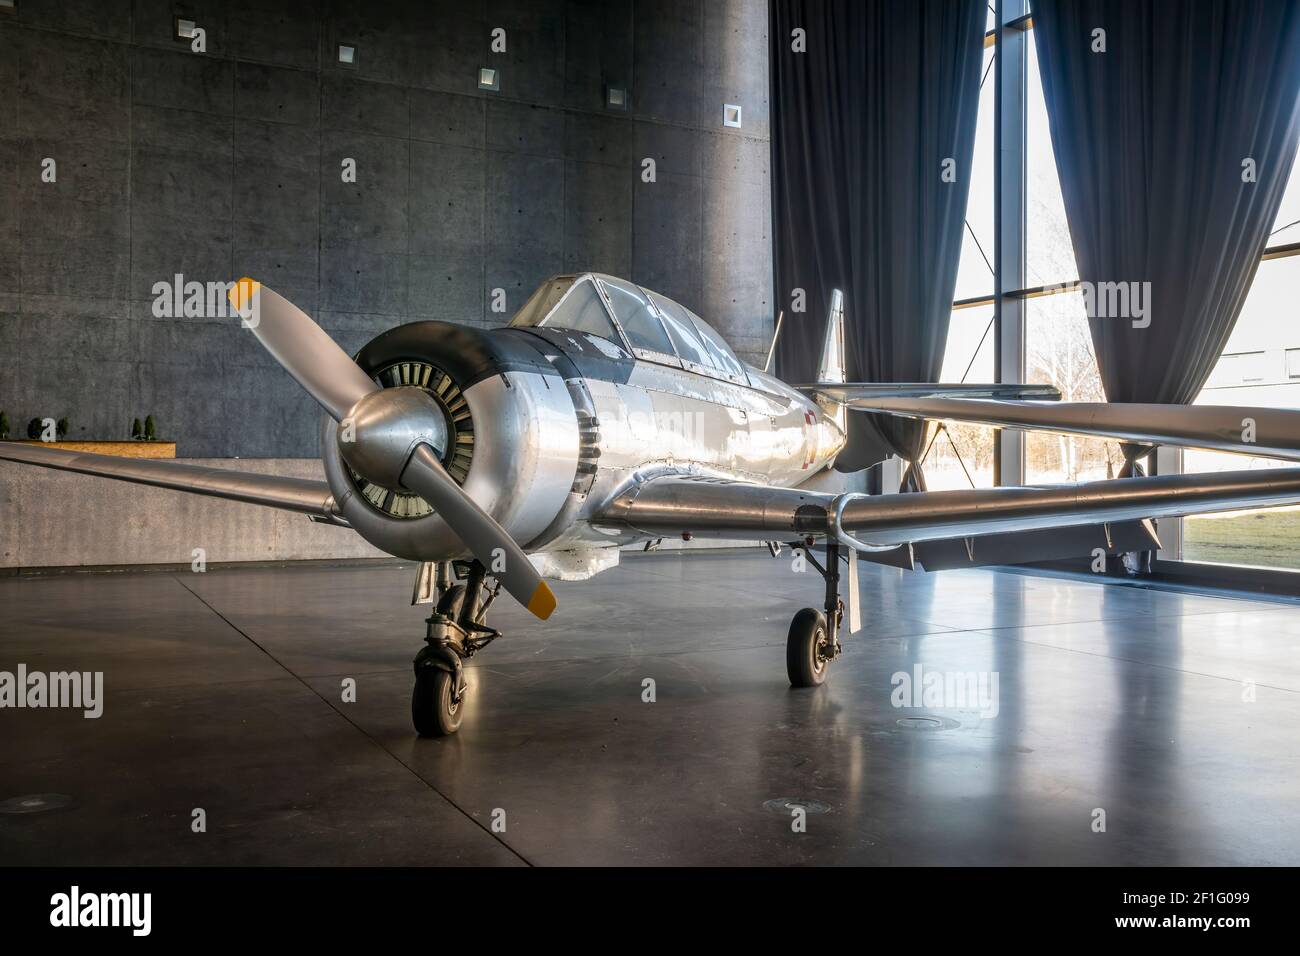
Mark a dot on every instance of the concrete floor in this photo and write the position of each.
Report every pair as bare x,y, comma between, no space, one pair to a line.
223,691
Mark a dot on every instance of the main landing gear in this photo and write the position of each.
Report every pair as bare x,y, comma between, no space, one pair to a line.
813,641
456,632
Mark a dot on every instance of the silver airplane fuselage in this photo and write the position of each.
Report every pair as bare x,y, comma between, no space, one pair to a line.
554,424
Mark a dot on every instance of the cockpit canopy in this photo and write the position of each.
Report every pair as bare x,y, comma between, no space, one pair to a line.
651,326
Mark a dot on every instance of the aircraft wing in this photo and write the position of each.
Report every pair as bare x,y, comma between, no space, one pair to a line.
853,393
302,495
1245,430
714,507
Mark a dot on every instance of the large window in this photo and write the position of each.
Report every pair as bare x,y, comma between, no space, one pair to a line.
1058,343
1260,367
961,456
1058,351
1042,320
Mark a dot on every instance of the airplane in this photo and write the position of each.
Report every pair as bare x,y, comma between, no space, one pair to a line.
606,415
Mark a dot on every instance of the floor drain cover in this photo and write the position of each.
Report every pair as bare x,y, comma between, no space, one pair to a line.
784,805
920,723
35,803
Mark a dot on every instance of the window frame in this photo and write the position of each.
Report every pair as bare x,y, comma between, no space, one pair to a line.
1012,22
621,341
648,355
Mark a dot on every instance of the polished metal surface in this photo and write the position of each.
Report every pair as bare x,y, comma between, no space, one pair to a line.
874,390
948,514
832,368
312,498
1124,698
307,352
483,537
384,427
525,456
708,506
1246,430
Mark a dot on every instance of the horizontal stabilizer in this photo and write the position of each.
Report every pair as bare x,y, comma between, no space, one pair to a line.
854,392
1245,430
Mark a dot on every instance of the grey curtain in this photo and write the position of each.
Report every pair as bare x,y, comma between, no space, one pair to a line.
1152,138
862,123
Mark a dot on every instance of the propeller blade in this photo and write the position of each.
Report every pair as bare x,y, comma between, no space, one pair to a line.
425,476
303,348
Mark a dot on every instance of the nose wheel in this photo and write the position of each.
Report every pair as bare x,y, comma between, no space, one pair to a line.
435,703
456,632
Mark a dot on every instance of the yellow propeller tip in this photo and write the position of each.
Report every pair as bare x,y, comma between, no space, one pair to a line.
542,603
242,293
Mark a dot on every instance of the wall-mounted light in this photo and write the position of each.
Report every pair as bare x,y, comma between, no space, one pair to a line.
489,79
616,97
731,115
183,29
347,53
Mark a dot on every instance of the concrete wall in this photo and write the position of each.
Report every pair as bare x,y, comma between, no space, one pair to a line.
226,163
59,519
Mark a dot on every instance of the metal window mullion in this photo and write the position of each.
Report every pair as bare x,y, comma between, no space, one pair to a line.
1009,222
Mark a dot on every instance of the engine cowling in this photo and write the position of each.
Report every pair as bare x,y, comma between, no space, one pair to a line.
511,441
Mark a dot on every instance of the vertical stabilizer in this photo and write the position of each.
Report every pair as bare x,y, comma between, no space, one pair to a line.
832,370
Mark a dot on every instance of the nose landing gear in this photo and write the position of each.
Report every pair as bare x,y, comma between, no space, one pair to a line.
456,632
813,640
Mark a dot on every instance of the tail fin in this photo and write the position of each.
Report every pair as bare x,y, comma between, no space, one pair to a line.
831,370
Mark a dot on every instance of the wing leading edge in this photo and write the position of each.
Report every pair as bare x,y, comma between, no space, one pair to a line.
713,507
301,495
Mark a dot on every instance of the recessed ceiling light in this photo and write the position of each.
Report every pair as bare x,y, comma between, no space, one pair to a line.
347,54
731,115
183,29
488,79
616,98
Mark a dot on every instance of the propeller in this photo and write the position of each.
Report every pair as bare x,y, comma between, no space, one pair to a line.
395,438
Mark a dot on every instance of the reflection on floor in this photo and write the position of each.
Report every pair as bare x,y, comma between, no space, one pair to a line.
1174,713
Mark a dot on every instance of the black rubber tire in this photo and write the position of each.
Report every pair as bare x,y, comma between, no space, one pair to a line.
432,708
802,665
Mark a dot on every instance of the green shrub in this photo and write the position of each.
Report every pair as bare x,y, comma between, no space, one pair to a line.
150,433
136,431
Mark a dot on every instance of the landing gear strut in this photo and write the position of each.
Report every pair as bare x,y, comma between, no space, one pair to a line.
813,641
456,632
